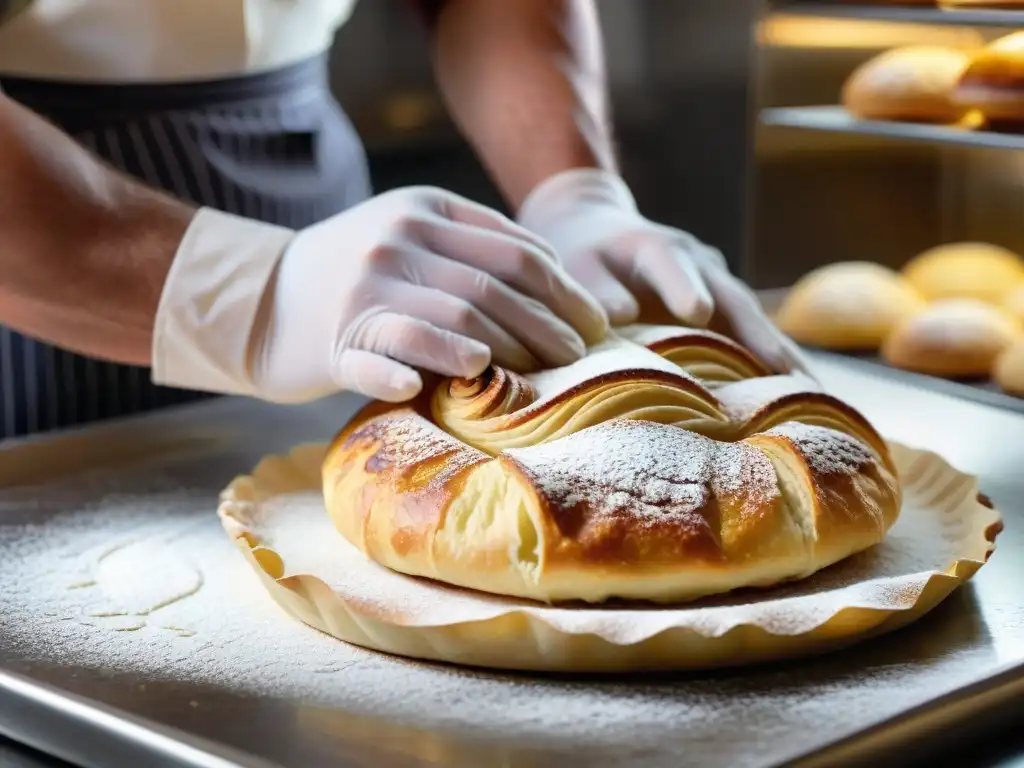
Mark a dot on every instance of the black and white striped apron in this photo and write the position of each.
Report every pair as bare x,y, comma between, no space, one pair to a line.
273,146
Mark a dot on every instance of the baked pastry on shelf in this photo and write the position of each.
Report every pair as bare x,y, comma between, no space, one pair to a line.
667,465
968,270
1008,371
911,84
1013,303
848,306
993,81
952,338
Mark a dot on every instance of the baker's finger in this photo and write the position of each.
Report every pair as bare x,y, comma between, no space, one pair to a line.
376,376
420,344
521,265
667,268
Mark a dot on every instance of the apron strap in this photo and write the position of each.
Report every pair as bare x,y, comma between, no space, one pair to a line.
80,106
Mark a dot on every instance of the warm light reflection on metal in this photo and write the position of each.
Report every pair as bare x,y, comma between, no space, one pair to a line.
799,32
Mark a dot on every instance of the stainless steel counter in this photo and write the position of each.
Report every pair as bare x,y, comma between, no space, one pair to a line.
382,711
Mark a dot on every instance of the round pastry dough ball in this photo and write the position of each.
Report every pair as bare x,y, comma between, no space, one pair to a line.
952,338
1008,371
965,270
849,306
911,83
1013,303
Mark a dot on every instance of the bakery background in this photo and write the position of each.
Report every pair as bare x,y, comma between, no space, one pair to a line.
741,101
680,84
873,145
824,196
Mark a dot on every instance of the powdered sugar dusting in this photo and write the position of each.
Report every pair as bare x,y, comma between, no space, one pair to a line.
828,451
742,399
645,470
961,323
407,439
651,334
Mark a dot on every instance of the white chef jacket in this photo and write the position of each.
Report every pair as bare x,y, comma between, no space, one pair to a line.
126,41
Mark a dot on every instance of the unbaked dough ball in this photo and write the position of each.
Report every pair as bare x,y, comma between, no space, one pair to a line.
847,306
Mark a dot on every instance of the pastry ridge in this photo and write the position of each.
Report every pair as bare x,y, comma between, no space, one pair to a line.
615,477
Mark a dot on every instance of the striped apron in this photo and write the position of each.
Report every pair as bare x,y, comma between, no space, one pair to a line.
272,146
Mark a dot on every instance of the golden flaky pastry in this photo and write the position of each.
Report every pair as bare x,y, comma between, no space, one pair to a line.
666,465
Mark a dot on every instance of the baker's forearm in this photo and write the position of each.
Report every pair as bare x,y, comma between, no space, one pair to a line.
525,82
83,250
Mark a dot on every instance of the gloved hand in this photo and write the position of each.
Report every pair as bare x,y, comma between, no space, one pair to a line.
591,219
416,278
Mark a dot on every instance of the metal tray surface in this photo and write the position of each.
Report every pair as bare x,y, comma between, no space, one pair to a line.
835,119
895,691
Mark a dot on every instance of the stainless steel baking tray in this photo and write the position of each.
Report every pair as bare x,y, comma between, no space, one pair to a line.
241,701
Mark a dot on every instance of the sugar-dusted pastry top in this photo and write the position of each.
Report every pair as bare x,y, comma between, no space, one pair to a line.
666,465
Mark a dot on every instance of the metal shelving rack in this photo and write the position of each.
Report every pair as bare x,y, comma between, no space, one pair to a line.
909,14
835,119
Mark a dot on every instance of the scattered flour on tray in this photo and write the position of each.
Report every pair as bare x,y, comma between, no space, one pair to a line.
132,573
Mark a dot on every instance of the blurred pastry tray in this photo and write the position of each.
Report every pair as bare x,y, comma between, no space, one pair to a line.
835,119
908,14
981,392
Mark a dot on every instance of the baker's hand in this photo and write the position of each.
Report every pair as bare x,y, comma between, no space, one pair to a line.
414,279
591,219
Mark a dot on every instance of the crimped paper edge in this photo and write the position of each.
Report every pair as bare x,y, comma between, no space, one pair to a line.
301,597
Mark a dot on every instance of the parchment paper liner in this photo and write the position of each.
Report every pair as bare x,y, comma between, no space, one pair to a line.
276,517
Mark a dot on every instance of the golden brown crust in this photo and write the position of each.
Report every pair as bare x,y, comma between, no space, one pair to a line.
622,507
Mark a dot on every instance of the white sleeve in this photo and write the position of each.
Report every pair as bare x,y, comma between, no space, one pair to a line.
210,300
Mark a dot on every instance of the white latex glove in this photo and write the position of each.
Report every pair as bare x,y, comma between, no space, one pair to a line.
417,278
591,219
